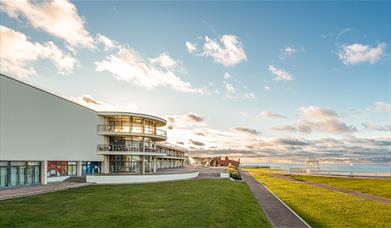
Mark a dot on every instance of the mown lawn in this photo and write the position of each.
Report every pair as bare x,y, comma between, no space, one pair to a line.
193,203
325,208
379,187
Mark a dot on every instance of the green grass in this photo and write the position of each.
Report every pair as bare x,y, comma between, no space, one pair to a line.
379,187
325,208
194,203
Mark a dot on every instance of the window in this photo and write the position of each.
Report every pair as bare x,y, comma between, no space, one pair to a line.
91,167
13,174
57,168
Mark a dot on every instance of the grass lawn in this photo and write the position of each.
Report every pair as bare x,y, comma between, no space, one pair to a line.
193,203
379,187
325,208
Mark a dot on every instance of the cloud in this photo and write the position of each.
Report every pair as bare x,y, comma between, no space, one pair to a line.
284,128
267,88
272,115
128,65
107,42
165,61
195,117
228,51
247,130
93,103
334,126
380,106
359,53
191,48
375,127
317,112
227,75
232,92
18,53
286,52
229,89
196,143
58,18
280,73
291,141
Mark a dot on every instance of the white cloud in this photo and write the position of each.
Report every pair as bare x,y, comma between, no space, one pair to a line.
332,125
359,53
128,65
227,75
249,95
58,18
286,52
191,48
380,106
272,115
165,61
93,103
376,127
280,73
18,53
232,92
267,88
228,50
317,112
107,42
229,89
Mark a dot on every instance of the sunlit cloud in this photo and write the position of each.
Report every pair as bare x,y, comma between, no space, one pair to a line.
267,114
376,127
128,65
280,73
380,106
59,18
287,51
351,54
191,48
98,105
18,54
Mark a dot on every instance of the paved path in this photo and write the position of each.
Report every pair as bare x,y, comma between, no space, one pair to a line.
39,189
337,189
279,214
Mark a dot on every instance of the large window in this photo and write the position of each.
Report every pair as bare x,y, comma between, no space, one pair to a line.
61,168
19,173
130,164
91,167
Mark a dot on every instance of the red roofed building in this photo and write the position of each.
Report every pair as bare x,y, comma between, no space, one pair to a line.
217,161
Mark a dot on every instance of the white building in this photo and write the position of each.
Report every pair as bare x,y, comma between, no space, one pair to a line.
44,137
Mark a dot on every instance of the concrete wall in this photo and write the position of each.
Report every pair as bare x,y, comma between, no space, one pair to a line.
127,179
36,125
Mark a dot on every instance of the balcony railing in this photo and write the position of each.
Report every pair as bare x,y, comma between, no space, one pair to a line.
136,130
108,147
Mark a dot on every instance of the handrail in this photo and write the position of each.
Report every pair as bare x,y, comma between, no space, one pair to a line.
128,129
108,147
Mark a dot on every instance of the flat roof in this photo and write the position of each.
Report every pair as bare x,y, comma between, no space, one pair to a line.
159,120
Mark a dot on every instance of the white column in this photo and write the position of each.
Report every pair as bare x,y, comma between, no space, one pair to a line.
143,164
154,164
44,172
78,168
105,165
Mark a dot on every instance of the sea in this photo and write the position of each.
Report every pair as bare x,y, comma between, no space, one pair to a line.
335,168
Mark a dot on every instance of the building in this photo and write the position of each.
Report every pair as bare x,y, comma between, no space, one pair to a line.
44,137
217,161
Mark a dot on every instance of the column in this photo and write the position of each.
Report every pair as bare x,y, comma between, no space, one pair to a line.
143,164
44,170
105,165
78,168
154,164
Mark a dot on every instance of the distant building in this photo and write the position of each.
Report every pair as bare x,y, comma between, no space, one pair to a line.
217,161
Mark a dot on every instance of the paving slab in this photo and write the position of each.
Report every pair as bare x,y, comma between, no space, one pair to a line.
279,214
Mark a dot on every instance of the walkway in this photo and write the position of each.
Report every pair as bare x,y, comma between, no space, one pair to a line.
39,189
278,213
337,189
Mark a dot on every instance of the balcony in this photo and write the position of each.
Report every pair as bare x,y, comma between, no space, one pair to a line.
124,150
127,130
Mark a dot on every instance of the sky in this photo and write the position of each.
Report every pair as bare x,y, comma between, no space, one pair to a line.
261,81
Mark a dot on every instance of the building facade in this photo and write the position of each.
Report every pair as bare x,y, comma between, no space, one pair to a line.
44,137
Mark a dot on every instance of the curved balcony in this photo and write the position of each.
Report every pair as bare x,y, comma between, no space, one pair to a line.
132,131
123,150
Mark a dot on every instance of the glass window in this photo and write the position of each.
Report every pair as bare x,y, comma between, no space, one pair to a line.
3,176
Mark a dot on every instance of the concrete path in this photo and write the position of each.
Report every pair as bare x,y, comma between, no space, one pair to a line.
39,189
278,213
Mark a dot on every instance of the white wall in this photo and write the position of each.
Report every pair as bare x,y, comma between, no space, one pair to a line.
36,125
127,179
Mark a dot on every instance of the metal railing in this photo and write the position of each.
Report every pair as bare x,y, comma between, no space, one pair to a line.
137,130
108,147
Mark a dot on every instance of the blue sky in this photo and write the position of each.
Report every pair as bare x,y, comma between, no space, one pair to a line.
301,78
